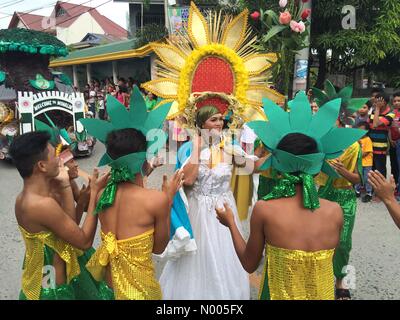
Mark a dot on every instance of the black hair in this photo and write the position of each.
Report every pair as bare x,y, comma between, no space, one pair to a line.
298,144
27,150
125,141
376,90
384,96
396,94
369,104
363,124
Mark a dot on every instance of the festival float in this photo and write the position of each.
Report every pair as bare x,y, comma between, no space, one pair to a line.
30,91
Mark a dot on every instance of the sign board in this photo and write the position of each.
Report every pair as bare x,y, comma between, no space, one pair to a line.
32,105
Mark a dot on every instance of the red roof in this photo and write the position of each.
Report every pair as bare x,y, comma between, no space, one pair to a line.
73,11
31,21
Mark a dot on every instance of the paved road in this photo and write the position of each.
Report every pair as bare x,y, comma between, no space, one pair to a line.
375,256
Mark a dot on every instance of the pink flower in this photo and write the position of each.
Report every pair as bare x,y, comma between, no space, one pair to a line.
305,14
255,15
282,3
285,17
297,26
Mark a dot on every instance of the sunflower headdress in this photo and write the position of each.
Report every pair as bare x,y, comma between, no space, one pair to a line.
331,142
348,105
213,62
126,167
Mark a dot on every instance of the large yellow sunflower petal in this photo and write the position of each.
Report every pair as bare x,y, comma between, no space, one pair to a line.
171,56
235,32
164,88
197,27
174,111
258,63
253,114
255,94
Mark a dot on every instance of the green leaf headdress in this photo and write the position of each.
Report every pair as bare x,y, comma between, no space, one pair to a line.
348,106
331,142
149,123
58,137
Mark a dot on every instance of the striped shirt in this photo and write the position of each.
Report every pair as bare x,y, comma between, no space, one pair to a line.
380,134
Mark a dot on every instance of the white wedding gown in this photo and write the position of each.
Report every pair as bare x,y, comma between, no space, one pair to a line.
214,271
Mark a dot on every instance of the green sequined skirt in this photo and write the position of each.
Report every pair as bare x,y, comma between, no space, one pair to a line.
346,198
82,287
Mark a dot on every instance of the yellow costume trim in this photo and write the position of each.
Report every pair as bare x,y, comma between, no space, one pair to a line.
131,264
34,260
58,149
300,275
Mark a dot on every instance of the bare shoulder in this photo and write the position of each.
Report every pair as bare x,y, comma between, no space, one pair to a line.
331,209
263,209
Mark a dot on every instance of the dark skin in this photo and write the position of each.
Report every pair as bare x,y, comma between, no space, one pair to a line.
37,211
285,223
138,210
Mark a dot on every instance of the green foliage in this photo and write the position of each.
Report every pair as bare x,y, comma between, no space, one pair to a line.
31,42
150,33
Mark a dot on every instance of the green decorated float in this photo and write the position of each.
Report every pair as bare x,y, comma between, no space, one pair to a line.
30,91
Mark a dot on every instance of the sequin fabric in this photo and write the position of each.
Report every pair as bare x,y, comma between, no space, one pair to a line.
34,260
299,275
132,270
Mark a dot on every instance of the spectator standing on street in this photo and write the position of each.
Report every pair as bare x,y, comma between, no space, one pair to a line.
380,121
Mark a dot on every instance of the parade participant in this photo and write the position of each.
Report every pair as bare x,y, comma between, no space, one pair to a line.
219,274
363,114
340,190
52,238
394,138
385,191
134,220
218,74
300,231
367,162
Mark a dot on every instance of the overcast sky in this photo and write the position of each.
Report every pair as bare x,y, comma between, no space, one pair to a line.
115,11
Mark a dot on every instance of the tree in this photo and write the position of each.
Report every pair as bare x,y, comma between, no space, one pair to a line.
376,37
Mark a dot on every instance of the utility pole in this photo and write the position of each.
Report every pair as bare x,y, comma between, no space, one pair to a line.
301,66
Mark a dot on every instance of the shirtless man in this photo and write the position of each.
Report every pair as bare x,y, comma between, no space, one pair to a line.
134,227
45,225
289,229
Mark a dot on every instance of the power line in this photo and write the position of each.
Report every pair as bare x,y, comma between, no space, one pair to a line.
10,3
35,9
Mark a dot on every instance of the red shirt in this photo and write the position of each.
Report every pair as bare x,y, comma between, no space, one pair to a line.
394,130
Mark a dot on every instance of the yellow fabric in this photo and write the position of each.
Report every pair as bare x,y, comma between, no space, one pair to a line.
300,275
242,188
366,146
349,159
132,270
34,260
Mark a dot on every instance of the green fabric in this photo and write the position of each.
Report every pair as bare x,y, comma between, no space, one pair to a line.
348,105
346,198
264,293
82,287
331,141
2,76
118,175
205,113
286,188
265,186
360,167
60,292
149,123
